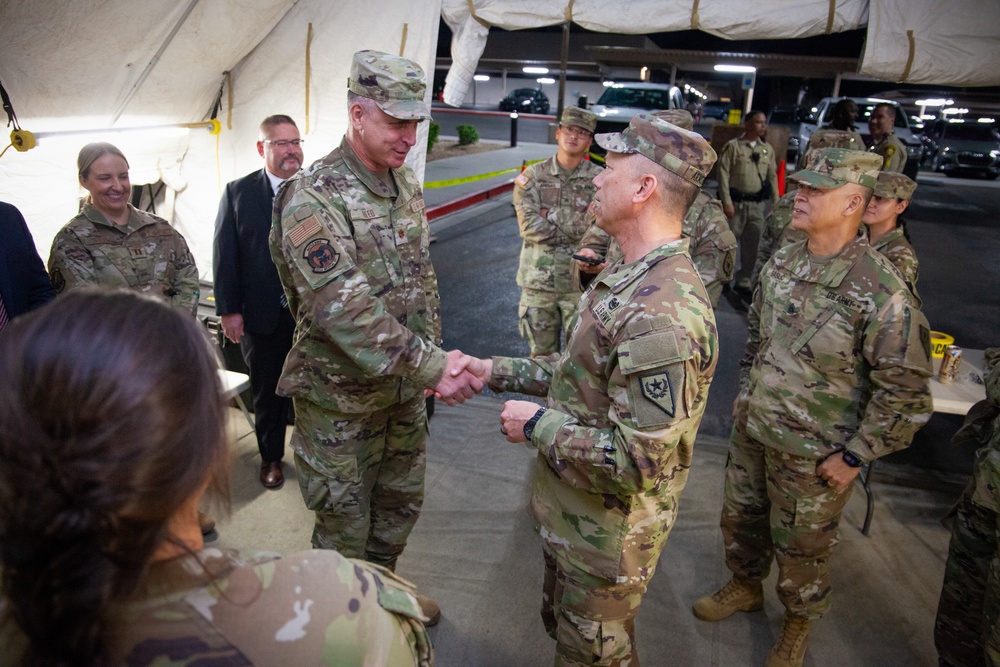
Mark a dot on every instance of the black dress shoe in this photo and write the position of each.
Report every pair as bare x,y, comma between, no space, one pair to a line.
270,474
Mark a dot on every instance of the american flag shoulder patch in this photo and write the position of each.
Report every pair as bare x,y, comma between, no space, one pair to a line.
302,231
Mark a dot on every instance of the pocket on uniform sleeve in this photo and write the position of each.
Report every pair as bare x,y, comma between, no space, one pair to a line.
654,367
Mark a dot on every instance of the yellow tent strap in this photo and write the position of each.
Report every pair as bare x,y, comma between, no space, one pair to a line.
402,42
309,39
218,164
229,111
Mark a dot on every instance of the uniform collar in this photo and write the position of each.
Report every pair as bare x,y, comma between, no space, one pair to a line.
370,180
888,238
830,273
135,221
621,275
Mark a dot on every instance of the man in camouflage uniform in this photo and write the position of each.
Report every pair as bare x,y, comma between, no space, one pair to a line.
551,200
883,138
778,232
146,255
886,232
835,375
967,628
711,242
748,179
623,401
350,242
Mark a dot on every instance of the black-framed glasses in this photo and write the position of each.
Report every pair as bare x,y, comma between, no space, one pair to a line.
281,143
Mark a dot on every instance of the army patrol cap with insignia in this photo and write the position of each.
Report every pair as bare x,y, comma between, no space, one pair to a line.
396,84
682,118
685,153
829,168
892,184
579,118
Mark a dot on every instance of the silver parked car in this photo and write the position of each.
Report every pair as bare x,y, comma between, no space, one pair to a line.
967,148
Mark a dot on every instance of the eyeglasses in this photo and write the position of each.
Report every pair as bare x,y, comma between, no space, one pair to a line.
575,131
281,143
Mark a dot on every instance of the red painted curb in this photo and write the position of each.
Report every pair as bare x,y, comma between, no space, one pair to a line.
434,212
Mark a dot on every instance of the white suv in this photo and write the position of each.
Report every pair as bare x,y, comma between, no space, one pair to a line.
824,114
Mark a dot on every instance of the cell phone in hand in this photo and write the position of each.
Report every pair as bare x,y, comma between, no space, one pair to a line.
593,261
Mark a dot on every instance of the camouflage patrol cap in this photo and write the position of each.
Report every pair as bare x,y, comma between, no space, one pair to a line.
579,118
829,168
895,185
396,84
685,153
834,139
682,118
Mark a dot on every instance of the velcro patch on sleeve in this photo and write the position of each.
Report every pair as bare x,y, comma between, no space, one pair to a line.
321,256
305,229
522,179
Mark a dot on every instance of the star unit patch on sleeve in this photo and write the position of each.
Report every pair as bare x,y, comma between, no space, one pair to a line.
656,388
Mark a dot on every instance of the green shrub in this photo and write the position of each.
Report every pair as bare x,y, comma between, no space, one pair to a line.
432,136
467,134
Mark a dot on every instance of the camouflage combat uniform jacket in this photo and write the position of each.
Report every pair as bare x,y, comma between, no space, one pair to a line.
551,205
308,608
898,250
983,425
146,255
737,170
712,243
893,152
838,355
625,401
355,265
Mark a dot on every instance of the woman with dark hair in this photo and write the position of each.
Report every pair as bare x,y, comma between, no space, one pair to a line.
113,244
111,429
887,230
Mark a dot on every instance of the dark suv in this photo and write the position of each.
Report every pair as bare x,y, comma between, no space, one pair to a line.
525,100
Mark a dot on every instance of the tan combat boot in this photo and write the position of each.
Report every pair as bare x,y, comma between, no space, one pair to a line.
737,595
790,649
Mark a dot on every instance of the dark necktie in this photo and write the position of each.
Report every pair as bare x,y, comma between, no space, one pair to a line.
4,319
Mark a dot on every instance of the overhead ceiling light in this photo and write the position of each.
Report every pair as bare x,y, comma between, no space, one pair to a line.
987,120
545,80
481,77
934,102
535,70
745,69
607,84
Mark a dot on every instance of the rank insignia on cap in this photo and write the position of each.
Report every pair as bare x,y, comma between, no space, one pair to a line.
656,388
320,255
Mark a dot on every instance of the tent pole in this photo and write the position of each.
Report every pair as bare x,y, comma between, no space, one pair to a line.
562,70
152,63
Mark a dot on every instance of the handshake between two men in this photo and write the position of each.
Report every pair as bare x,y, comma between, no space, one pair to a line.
465,376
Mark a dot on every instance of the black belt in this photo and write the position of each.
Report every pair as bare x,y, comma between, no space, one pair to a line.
764,194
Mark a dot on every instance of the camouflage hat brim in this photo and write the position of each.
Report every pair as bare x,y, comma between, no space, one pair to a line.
816,180
613,142
406,109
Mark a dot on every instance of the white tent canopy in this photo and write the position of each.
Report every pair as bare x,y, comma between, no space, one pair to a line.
91,65
947,42
119,63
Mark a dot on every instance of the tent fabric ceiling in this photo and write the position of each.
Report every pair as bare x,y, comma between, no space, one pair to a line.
955,43
72,65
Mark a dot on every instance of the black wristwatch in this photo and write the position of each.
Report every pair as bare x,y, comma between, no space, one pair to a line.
529,426
851,459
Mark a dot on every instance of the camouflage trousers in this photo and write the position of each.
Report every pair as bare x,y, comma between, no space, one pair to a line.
543,318
777,507
363,476
966,631
747,224
591,619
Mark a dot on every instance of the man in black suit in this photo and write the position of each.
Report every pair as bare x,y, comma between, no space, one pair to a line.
248,294
24,282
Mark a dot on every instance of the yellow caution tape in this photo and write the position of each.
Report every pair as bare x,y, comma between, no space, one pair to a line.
471,179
